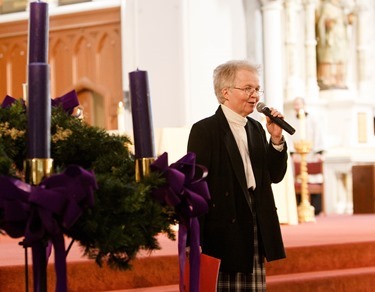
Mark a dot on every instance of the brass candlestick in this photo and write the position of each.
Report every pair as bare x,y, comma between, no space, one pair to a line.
306,212
37,169
142,167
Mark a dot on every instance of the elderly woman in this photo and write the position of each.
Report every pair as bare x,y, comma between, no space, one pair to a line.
242,226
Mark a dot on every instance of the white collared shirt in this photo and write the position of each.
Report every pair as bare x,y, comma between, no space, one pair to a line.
237,125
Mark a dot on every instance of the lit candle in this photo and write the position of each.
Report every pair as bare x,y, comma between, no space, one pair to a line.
302,124
141,115
121,117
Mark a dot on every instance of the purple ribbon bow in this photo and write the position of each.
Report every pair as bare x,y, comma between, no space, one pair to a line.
46,210
68,101
188,193
8,101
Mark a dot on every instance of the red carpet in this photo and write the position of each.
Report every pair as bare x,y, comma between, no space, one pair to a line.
335,253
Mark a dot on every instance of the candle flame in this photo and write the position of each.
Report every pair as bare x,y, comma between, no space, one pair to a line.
301,113
24,89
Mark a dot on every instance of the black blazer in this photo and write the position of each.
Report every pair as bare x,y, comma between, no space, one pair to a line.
227,229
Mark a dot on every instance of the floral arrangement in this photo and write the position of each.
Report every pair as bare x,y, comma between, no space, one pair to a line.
124,218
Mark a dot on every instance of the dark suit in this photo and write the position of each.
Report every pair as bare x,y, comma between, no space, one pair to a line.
227,229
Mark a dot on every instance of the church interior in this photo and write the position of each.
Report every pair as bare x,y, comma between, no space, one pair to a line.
317,60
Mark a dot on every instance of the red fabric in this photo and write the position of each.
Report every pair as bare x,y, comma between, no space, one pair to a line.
209,272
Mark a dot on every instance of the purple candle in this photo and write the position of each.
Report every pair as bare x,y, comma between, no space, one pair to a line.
38,117
39,103
38,32
141,115
38,112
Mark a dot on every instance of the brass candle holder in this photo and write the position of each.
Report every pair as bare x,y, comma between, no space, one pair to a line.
306,212
142,167
36,169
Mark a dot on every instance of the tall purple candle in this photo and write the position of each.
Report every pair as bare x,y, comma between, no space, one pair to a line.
38,117
38,112
141,114
39,104
38,32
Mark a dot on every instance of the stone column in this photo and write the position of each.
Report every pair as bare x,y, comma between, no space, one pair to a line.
294,54
312,88
364,32
273,53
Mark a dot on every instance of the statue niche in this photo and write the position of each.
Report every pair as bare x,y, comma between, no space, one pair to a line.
332,34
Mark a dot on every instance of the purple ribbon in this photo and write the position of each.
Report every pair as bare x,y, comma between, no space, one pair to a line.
68,101
46,210
188,193
8,101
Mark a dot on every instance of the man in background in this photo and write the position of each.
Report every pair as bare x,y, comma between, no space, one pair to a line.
312,133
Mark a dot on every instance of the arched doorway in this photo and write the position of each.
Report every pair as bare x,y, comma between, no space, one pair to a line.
92,102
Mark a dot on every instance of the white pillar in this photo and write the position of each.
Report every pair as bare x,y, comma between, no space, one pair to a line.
273,53
312,88
51,3
365,32
254,32
294,54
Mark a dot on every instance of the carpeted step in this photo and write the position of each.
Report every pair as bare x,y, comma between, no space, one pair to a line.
324,258
169,288
357,279
326,266
88,276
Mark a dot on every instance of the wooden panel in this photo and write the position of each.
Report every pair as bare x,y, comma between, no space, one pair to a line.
61,64
17,69
14,28
13,58
84,54
3,71
363,189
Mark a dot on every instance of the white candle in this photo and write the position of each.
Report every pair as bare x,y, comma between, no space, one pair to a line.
24,89
302,124
121,117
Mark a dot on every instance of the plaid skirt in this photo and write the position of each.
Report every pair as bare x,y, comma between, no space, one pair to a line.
244,282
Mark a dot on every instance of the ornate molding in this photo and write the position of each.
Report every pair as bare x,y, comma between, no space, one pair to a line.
62,21
268,4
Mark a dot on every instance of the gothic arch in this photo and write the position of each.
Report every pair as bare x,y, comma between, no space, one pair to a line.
92,99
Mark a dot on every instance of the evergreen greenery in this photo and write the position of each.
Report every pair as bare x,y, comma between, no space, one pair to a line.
125,218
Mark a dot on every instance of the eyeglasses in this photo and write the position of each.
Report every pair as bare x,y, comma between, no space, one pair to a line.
250,90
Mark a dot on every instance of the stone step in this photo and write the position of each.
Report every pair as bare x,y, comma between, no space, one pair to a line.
358,279
324,257
170,288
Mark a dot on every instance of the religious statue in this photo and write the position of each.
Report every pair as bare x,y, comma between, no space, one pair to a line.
332,43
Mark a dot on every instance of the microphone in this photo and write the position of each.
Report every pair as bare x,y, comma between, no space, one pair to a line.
262,108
